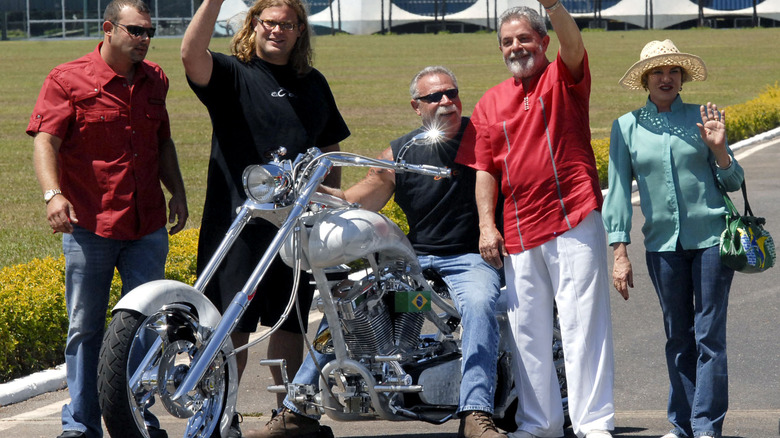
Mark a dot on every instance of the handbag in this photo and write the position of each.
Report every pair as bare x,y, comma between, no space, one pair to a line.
745,245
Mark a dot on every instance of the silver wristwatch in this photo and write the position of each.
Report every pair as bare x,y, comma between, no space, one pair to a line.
49,194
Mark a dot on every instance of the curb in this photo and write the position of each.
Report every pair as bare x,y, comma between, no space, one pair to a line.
23,388
756,139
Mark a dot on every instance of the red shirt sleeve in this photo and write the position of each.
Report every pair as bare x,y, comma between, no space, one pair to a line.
53,111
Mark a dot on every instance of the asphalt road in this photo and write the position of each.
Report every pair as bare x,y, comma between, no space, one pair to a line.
641,385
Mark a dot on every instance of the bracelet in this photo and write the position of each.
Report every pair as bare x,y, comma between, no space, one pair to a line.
724,168
555,6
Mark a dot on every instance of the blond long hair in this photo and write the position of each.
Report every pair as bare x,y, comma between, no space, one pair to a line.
243,45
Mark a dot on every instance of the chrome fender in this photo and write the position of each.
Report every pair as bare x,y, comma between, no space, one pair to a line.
342,236
150,297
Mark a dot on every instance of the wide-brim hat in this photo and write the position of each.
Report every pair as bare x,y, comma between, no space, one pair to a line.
663,53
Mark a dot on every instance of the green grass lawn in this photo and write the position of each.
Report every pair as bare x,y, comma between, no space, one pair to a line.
370,77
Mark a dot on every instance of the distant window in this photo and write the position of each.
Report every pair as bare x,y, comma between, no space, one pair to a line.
433,7
317,6
728,5
586,6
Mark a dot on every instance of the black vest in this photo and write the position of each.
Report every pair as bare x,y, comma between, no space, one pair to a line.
442,212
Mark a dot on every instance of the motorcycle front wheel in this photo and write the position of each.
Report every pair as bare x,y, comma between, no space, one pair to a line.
132,397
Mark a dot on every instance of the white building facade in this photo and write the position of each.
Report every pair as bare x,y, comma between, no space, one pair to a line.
372,16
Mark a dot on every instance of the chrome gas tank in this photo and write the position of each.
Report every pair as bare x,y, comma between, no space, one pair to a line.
340,236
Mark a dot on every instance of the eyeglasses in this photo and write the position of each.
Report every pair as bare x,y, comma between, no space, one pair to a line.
137,31
436,97
271,24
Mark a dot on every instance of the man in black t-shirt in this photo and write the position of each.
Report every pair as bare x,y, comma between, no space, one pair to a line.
262,96
443,229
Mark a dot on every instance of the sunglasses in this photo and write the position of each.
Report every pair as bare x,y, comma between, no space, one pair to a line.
137,31
436,97
271,24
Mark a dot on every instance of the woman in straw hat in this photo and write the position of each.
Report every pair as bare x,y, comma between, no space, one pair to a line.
677,154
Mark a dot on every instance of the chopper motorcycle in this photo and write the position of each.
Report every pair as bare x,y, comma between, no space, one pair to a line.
167,350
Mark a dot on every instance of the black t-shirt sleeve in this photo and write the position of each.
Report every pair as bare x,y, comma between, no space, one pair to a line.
335,128
221,83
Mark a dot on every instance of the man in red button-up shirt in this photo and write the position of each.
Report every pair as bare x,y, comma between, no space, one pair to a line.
530,138
102,146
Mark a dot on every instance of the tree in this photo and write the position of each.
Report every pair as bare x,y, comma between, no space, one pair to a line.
487,15
701,13
332,27
756,23
597,12
390,17
382,16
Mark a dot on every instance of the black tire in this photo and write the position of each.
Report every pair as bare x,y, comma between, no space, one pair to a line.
118,406
112,375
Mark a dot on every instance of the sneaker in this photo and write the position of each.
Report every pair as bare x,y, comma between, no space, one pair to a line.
72,434
235,429
598,434
286,423
670,435
478,424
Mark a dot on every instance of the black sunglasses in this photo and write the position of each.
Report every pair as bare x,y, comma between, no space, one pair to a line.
137,31
436,97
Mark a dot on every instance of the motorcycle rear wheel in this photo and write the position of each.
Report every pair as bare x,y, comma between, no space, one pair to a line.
127,339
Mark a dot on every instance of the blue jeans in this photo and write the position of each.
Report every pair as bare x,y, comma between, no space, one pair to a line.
475,287
693,288
89,268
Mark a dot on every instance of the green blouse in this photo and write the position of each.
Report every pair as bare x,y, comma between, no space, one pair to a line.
676,175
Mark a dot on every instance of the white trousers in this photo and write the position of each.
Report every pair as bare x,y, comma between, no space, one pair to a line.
572,270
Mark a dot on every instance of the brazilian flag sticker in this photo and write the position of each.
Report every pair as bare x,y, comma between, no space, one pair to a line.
412,301
420,301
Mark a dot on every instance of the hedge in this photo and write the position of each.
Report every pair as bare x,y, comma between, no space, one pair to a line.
33,319
754,116
34,323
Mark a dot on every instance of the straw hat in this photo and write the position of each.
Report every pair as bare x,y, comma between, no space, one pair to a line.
662,53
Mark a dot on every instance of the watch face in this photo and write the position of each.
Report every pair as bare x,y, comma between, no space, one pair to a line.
50,194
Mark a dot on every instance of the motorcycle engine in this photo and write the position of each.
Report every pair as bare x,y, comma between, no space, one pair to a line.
371,325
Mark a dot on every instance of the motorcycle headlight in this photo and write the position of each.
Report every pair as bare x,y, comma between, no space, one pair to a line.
263,183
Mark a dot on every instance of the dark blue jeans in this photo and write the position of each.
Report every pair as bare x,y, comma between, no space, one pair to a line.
693,288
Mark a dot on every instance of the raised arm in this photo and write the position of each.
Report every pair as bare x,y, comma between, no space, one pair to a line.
713,133
572,48
195,53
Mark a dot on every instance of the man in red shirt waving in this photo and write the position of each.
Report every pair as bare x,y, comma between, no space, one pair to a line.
531,133
102,146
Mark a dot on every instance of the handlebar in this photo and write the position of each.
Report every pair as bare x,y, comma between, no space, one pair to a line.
346,159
